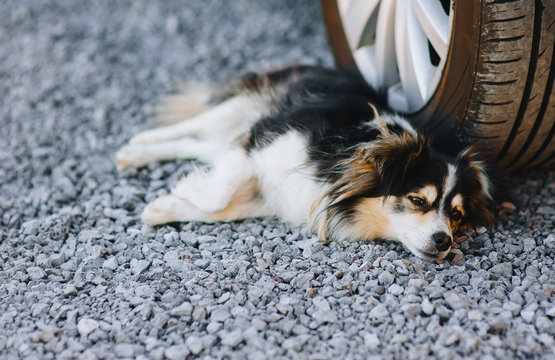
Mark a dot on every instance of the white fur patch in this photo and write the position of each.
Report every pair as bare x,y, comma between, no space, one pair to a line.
212,190
286,181
483,178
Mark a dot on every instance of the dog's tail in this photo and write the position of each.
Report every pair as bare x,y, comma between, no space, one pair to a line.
194,98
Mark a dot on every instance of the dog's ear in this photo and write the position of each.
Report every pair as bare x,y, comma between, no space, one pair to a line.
378,168
392,156
486,188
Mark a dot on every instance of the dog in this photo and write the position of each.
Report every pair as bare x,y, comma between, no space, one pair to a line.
306,144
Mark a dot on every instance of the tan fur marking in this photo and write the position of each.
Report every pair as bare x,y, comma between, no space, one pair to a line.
244,203
457,202
370,221
429,193
193,99
322,229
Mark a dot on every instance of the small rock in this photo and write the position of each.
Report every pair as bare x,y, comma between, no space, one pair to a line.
57,259
475,315
111,263
36,273
124,350
69,290
550,312
176,352
544,324
194,344
323,312
395,289
213,327
380,311
514,308
255,293
199,314
504,269
86,326
220,315
427,307
45,336
372,341
231,339
139,266
184,309
454,300
386,278
528,315
481,230
411,309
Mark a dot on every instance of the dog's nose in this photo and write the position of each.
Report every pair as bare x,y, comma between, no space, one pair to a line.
442,241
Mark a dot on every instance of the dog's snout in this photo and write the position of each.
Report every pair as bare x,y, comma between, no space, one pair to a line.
442,241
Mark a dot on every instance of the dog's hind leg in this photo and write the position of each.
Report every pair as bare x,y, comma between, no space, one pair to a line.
227,119
244,203
212,190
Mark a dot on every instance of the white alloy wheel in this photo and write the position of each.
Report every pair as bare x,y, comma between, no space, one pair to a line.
399,46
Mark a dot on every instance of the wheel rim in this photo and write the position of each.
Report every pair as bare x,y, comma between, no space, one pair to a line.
399,46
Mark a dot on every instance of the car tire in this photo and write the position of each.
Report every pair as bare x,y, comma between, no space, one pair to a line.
496,86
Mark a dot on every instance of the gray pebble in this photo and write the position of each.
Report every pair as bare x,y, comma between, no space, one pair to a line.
139,266
184,309
386,278
475,315
176,352
380,311
57,259
504,269
36,273
323,313
411,309
194,344
86,325
231,339
220,314
110,263
454,300
395,289
371,340
124,350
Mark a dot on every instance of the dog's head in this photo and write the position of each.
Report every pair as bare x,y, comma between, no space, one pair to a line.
397,187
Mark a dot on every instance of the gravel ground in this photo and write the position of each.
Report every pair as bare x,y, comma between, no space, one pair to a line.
81,277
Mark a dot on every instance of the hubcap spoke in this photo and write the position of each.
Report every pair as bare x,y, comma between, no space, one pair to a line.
386,64
435,23
404,28
365,58
357,13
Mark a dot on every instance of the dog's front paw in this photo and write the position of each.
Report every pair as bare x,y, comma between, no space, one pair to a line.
130,155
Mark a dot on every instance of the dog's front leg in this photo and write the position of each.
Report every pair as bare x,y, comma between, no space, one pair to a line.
187,148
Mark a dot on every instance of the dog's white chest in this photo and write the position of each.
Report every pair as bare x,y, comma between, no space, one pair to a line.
286,181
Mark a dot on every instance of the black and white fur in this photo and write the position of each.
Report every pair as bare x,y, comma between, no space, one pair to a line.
305,144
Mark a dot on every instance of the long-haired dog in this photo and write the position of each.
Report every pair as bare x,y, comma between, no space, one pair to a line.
305,144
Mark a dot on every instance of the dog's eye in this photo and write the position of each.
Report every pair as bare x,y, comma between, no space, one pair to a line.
418,201
456,215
